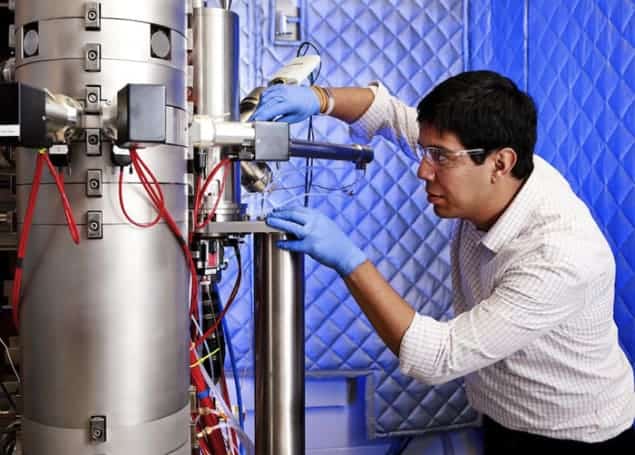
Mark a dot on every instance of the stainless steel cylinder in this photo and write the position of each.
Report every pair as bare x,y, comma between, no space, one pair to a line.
216,94
279,347
104,324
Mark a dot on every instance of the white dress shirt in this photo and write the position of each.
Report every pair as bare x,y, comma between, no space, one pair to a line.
534,333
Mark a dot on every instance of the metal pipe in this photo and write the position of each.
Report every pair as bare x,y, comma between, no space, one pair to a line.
216,83
255,177
339,152
279,347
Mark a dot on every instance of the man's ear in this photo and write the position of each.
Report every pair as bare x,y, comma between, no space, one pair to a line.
504,161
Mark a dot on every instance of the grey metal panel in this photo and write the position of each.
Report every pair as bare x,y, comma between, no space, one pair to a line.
67,76
166,162
49,206
168,13
105,325
279,350
62,39
168,435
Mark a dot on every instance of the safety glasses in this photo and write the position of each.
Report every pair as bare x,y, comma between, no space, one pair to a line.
441,157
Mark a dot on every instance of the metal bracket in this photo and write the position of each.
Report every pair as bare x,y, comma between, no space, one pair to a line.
93,99
11,36
92,16
94,183
97,429
272,141
92,57
93,142
94,225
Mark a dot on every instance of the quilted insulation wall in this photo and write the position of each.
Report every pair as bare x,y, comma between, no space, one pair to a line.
575,58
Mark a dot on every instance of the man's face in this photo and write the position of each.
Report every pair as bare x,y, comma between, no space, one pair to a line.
456,187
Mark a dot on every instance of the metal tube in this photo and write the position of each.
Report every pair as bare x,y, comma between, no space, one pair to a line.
279,347
216,83
339,152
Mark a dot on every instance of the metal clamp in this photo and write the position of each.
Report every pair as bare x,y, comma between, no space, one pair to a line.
93,99
94,183
93,142
92,16
97,429
94,225
92,57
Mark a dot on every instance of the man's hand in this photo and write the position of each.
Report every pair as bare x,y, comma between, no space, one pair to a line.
292,103
319,237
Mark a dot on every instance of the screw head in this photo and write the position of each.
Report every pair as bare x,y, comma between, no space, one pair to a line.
93,226
92,98
93,139
92,15
92,55
93,184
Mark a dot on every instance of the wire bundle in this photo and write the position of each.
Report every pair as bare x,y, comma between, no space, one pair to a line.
42,159
210,423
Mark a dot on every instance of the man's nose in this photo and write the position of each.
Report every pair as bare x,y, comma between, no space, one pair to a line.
426,170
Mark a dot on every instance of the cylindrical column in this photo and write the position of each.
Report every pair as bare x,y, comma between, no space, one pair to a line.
279,347
216,94
104,324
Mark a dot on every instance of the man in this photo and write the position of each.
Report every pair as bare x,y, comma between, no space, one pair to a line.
533,276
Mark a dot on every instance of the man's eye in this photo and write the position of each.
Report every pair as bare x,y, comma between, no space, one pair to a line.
441,158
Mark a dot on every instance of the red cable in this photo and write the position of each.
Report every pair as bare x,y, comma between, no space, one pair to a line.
125,212
158,200
24,239
68,212
200,194
210,420
197,186
208,219
221,315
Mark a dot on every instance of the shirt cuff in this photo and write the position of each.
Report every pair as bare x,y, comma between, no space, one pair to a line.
372,120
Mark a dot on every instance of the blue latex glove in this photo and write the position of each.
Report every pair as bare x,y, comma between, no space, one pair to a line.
318,236
292,103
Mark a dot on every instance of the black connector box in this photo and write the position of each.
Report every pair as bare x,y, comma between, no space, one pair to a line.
23,116
141,118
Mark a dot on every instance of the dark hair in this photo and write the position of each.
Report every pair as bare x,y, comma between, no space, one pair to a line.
484,110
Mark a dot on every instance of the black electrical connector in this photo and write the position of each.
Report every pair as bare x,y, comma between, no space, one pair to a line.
141,115
23,116
120,157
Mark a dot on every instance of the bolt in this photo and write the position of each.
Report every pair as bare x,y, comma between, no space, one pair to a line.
92,55
97,433
93,139
93,184
92,98
93,226
92,15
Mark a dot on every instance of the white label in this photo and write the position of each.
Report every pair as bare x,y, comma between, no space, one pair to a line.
9,130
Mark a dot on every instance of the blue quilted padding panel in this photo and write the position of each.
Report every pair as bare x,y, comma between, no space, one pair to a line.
575,58
493,23
582,74
410,46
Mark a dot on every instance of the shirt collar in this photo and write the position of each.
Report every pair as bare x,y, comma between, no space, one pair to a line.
514,218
